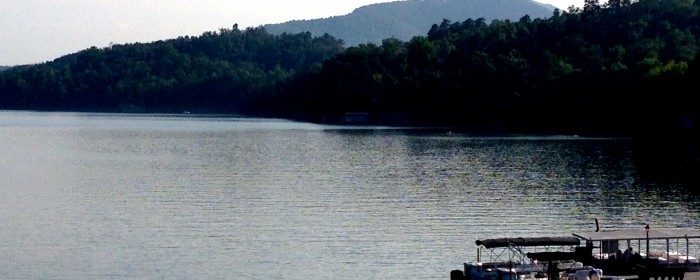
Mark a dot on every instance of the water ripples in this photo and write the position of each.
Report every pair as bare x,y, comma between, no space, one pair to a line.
105,197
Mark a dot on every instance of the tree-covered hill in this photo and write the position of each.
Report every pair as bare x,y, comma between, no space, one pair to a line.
405,19
228,71
620,68
623,68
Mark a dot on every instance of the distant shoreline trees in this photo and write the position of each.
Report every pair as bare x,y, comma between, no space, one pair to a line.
615,69
229,71
622,68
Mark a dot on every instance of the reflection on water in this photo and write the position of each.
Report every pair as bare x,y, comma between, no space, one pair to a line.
111,196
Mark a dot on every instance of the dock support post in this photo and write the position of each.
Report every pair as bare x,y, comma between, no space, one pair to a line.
646,228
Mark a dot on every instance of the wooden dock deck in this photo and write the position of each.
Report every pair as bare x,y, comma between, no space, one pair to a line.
687,276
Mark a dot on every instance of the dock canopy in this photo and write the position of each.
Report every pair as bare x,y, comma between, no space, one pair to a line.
640,234
529,242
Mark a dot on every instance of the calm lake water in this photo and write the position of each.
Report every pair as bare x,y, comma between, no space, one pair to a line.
94,196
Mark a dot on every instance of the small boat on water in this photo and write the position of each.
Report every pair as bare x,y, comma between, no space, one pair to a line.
532,258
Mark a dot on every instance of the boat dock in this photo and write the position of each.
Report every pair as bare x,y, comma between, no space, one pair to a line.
658,254
686,276
669,258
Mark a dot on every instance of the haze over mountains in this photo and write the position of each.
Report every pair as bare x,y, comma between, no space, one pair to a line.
405,19
371,23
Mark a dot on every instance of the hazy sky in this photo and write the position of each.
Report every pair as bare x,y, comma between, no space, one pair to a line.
35,31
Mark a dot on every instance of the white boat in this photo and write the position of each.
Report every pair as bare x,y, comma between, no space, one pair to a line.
531,258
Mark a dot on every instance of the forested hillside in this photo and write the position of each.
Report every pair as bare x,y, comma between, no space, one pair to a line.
228,71
405,19
620,68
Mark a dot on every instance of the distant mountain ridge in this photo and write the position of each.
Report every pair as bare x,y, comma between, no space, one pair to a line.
405,19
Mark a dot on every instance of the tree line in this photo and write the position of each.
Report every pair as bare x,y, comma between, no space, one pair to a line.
619,68
227,71
623,67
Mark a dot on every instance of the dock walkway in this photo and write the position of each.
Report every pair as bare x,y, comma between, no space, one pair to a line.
686,276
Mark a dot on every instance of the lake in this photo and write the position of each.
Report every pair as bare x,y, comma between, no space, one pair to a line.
100,196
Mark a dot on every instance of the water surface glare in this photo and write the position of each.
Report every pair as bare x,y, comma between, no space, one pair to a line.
95,196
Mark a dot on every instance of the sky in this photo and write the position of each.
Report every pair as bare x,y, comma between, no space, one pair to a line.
36,31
